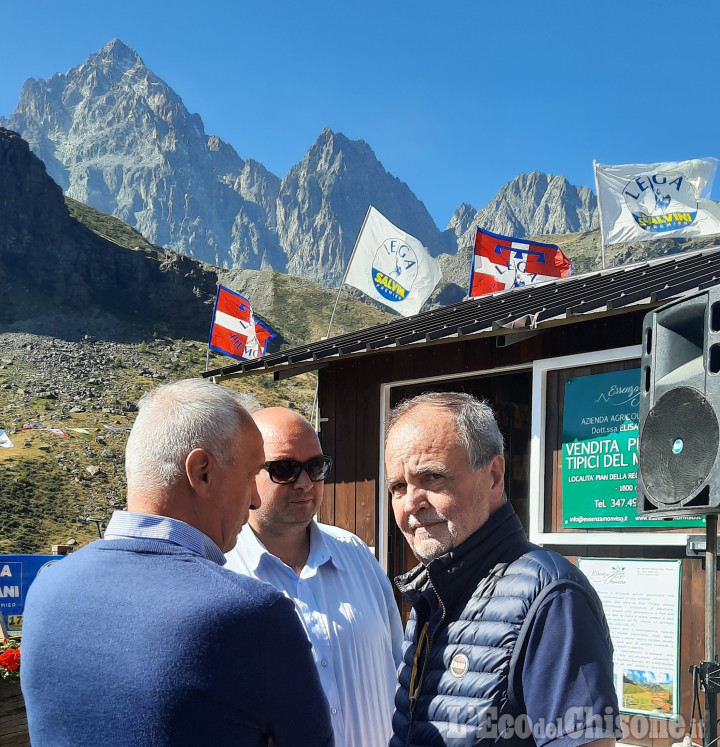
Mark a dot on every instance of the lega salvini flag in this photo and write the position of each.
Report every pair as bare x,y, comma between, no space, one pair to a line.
235,331
501,262
391,266
641,202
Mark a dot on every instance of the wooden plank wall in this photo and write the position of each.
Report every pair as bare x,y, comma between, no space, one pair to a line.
350,432
13,721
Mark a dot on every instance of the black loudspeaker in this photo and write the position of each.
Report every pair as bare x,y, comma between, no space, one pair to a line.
679,435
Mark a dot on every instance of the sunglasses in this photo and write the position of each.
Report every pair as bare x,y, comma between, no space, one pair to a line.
287,471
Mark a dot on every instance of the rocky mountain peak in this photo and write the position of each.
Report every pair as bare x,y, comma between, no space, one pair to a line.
120,54
118,138
323,201
539,204
110,64
462,220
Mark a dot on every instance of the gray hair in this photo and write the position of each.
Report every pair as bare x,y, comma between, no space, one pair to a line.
176,418
477,429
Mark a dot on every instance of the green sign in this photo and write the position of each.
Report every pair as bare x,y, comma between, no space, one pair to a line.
599,453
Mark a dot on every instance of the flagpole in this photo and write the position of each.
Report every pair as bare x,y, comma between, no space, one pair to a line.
207,354
472,266
602,233
342,282
315,409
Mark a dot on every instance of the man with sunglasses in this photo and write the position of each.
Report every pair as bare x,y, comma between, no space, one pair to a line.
341,594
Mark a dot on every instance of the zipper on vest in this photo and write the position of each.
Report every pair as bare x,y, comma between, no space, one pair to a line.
416,692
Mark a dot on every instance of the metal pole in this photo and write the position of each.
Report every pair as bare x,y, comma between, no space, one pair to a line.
602,233
315,409
711,524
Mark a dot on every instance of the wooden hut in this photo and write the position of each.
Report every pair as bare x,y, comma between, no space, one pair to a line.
535,353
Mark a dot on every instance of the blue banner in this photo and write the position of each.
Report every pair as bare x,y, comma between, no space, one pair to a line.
17,572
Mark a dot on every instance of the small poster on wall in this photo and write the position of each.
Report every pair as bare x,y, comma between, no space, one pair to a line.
17,572
600,453
641,599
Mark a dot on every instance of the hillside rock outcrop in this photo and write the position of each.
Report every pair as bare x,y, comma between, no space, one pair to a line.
52,264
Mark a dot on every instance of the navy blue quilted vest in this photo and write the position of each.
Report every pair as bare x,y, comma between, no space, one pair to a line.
489,589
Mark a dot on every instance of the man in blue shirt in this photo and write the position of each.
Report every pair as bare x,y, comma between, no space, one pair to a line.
342,595
507,642
142,638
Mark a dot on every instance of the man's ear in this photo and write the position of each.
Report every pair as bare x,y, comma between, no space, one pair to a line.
198,468
497,476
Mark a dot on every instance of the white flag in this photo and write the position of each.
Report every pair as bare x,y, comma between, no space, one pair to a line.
392,266
642,202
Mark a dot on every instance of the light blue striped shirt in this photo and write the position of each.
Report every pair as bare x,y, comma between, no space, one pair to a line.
130,525
346,604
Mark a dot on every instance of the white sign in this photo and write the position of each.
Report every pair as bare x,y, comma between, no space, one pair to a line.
641,599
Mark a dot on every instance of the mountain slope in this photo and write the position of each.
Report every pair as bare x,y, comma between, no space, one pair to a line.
50,263
92,316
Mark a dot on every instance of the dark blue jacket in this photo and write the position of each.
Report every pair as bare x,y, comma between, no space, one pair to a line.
489,589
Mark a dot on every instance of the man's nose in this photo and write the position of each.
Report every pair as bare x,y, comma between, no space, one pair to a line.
255,500
415,499
303,482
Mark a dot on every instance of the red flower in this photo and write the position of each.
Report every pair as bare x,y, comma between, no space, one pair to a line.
10,659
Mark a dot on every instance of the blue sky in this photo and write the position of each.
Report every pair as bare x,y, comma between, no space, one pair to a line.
455,98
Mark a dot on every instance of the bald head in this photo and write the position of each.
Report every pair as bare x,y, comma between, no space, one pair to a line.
290,507
281,424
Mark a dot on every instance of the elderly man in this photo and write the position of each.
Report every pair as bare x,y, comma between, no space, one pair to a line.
143,638
341,593
507,642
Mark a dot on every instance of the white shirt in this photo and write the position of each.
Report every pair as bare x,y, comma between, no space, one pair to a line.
346,604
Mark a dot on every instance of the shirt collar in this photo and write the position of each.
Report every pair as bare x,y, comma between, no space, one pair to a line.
320,550
131,525
254,549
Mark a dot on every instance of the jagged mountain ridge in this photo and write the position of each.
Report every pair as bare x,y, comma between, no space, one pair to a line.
118,138
534,204
67,270
538,204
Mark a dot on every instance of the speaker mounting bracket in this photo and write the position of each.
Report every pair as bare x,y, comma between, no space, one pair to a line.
710,677
695,547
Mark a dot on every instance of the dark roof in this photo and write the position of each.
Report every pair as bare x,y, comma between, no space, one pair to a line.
533,306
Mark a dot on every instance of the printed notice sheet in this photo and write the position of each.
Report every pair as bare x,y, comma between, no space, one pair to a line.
641,599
